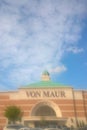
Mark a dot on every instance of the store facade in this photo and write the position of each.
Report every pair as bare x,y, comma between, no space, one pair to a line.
47,103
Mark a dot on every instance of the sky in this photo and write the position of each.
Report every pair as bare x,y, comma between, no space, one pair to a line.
38,35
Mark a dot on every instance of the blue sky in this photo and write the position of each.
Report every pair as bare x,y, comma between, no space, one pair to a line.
38,35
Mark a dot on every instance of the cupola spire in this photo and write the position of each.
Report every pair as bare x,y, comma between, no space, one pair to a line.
45,76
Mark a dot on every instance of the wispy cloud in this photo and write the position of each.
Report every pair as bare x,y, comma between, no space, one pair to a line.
35,34
75,50
58,69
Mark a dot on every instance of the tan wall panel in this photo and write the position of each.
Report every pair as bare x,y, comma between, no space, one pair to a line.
3,97
1,114
24,108
68,114
80,114
79,108
63,101
85,101
24,101
13,102
66,108
79,102
23,93
2,121
86,107
78,95
26,114
2,108
4,103
85,96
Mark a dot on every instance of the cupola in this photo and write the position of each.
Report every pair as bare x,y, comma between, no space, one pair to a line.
45,76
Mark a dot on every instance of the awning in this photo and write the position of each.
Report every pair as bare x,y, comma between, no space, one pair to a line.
47,118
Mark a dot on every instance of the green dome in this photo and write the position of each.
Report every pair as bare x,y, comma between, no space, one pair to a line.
45,73
44,84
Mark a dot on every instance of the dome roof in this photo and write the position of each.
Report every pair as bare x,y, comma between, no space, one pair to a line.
45,73
45,82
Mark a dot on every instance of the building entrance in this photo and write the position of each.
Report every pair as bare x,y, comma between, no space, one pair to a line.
45,114
46,124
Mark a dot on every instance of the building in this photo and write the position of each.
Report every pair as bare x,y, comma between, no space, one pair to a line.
47,103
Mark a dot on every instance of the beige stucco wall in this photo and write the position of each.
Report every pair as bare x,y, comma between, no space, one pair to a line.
62,93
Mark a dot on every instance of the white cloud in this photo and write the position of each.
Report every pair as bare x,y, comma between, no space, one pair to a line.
34,35
75,50
59,69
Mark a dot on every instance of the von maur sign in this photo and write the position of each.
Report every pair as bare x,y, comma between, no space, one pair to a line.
45,94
